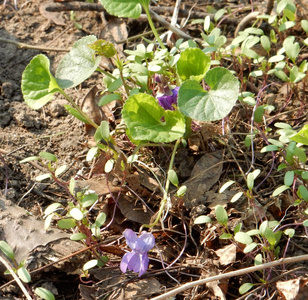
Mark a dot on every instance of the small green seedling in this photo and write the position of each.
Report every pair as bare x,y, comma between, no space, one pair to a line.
20,269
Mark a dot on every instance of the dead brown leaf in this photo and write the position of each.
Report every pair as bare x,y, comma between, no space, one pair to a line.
89,106
27,236
113,282
295,289
132,211
56,17
227,254
139,290
204,175
97,184
288,289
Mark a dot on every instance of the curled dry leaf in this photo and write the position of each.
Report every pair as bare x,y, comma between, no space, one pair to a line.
90,107
204,175
295,289
227,254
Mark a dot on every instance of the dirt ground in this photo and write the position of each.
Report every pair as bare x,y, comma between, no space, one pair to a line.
25,132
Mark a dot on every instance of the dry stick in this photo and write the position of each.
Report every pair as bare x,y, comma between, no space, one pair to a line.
174,18
166,24
269,7
83,6
26,46
7,265
75,5
97,7
231,274
247,19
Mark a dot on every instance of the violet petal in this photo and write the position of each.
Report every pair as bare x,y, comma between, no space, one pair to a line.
134,262
125,260
131,238
175,91
137,260
166,102
144,264
148,241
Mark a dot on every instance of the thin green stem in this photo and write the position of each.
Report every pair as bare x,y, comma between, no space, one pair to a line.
166,191
160,212
111,144
120,67
147,11
124,84
75,106
106,73
177,143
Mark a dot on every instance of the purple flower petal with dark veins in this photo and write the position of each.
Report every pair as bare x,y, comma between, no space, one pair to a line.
166,101
137,260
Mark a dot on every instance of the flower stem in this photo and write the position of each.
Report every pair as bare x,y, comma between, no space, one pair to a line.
147,11
165,197
177,143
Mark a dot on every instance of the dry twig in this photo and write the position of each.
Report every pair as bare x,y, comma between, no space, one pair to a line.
22,287
192,284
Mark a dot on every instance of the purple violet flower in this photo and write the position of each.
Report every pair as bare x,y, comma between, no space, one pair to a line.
166,101
137,260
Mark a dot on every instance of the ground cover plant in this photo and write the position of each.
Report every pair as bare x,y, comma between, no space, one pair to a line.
205,95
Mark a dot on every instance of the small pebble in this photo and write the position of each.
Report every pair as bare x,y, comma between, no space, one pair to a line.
57,110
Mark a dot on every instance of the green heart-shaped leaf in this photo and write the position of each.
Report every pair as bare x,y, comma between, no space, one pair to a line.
37,83
193,64
79,64
123,8
198,104
147,120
